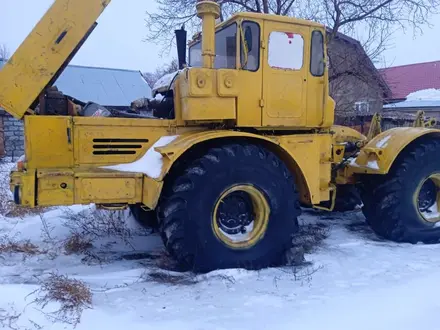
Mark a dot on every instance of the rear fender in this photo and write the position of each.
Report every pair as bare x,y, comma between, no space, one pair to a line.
380,153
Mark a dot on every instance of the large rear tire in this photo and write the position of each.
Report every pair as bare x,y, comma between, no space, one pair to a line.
404,206
235,206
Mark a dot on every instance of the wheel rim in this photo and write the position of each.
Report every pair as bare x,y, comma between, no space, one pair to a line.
428,199
240,216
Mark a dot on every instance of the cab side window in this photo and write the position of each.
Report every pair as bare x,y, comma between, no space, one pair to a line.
317,63
286,51
251,32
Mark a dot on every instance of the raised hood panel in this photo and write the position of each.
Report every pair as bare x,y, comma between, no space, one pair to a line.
46,52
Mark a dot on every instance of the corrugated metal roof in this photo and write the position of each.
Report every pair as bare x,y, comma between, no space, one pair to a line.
111,87
410,78
413,104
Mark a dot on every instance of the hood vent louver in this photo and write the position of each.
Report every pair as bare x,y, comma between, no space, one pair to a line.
117,146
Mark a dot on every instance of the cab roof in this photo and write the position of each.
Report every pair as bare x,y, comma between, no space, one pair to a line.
264,17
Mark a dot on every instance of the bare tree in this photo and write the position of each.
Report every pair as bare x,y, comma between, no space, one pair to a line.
152,77
370,21
4,52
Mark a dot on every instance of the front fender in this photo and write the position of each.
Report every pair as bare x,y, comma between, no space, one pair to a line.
379,154
301,157
172,151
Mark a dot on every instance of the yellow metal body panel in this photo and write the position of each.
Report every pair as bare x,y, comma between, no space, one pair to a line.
151,192
79,186
285,90
47,142
64,142
104,190
44,52
200,94
55,187
379,154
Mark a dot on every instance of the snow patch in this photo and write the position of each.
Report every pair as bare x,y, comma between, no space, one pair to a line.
373,165
352,162
150,164
159,97
240,237
382,143
430,94
165,81
432,212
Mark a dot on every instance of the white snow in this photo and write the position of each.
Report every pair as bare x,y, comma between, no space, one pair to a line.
430,94
432,212
240,237
150,164
382,143
352,162
165,81
373,164
355,281
159,97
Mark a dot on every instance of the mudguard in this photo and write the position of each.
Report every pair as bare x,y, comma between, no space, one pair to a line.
379,154
308,182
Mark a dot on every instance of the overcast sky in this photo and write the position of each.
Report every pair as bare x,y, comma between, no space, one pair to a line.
118,40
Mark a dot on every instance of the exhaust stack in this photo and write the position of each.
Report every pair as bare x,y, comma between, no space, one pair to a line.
181,37
208,11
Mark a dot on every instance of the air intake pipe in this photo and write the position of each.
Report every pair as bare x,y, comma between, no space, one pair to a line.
208,11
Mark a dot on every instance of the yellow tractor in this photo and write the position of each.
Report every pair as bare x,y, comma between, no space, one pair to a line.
231,145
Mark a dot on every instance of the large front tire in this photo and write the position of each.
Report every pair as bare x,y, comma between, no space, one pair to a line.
235,206
404,206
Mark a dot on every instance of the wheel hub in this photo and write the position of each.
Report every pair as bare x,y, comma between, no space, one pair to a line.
428,198
240,216
235,212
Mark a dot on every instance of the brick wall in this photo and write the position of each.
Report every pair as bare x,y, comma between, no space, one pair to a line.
12,136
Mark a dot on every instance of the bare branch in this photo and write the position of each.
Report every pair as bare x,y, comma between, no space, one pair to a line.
4,52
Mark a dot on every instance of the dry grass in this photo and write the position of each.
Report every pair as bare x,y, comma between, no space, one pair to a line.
311,236
73,295
77,244
8,319
10,245
99,224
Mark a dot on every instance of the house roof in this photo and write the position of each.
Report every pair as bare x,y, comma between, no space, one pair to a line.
413,104
406,79
367,60
105,86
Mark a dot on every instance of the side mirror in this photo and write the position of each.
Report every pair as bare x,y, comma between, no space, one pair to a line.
248,38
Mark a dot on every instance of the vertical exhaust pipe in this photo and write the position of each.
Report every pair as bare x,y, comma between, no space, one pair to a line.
181,37
208,11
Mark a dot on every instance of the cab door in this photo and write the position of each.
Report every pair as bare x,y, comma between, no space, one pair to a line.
285,74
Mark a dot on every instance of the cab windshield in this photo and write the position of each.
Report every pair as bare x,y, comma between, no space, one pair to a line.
225,49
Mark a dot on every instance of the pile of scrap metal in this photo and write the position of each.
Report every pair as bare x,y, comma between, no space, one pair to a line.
54,102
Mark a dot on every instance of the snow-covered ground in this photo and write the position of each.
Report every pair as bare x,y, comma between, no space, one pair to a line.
354,281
